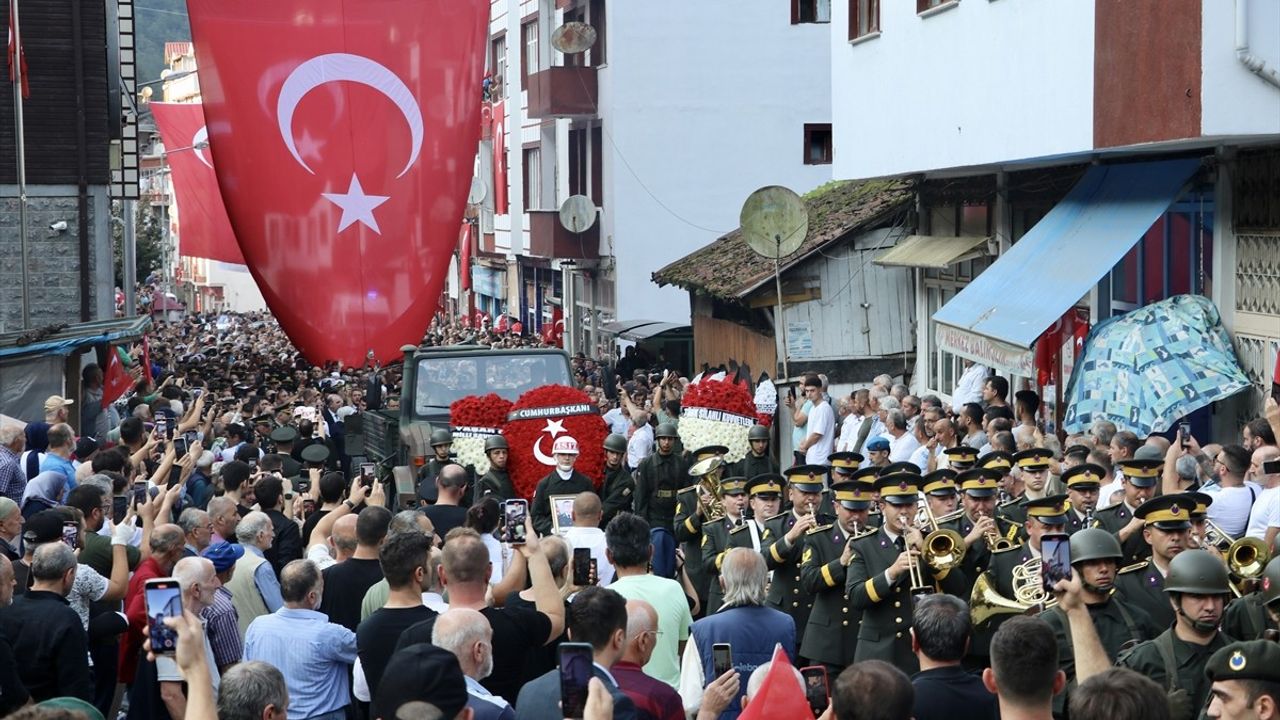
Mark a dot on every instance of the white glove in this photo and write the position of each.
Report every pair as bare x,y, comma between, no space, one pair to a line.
122,534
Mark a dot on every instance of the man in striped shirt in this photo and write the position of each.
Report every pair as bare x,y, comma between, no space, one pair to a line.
221,617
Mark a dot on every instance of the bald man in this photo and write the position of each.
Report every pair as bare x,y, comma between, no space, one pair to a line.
652,697
1264,517
166,543
586,533
468,635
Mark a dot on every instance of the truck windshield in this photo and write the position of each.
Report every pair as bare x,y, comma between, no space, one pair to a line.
442,380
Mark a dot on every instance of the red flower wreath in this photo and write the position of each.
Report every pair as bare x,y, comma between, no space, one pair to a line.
720,395
480,411
531,437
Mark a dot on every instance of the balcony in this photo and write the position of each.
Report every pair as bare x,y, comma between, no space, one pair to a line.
560,92
549,239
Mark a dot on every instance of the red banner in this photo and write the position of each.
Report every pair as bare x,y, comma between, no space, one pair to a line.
115,381
353,127
464,256
500,206
205,229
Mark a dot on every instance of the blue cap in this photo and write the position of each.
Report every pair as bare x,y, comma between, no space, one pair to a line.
223,555
879,444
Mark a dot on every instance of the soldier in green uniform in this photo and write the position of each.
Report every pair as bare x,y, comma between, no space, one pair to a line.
1083,482
764,500
1176,659
715,537
1138,479
832,632
867,476
784,542
843,467
1249,616
496,482
690,514
1032,467
758,460
959,458
441,447
658,478
1008,494
1166,521
978,524
941,495
1246,680
878,579
284,437
1095,554
1200,519
617,488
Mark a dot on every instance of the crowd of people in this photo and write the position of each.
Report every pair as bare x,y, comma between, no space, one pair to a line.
909,558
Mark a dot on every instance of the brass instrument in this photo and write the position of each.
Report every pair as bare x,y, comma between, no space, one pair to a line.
943,549
995,542
985,603
1216,537
916,573
710,500
1246,559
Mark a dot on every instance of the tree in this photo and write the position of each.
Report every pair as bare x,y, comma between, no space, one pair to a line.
149,237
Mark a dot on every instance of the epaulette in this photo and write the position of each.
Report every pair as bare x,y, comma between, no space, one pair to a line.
784,513
820,528
691,488
1011,548
738,529
1134,567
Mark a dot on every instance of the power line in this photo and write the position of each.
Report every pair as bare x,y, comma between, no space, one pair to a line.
159,10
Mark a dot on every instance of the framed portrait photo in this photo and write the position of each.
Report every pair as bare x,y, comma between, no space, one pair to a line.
561,513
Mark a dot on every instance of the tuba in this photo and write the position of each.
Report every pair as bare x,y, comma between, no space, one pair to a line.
710,500
1246,559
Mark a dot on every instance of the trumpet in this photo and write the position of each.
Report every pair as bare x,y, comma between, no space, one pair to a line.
1246,559
994,541
1215,536
916,573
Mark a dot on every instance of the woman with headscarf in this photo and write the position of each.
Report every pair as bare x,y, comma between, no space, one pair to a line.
37,445
42,493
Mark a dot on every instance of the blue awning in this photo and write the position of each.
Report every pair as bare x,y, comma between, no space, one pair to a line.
998,316
67,339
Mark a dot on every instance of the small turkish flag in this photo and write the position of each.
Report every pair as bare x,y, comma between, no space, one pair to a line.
115,381
346,133
206,231
780,696
16,50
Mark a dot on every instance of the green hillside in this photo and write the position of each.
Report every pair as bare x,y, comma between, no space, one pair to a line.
159,22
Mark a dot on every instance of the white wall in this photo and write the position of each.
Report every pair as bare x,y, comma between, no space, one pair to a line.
984,81
239,291
1235,101
703,102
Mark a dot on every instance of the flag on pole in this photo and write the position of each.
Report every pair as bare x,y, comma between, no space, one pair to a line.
16,51
115,381
146,360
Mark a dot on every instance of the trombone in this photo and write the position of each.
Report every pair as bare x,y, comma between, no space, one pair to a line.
941,549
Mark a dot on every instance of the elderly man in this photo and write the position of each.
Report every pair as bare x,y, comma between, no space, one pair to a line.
166,550
199,582
12,480
253,691
62,443
255,591
744,622
222,621
652,697
197,531
313,654
467,634
225,516
10,529
48,640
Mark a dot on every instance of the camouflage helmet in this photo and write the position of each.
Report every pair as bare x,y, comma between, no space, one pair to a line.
666,430
495,442
1271,582
615,443
441,436
1094,544
758,432
1197,572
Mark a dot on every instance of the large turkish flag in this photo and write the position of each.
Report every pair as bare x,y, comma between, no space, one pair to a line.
206,231
346,133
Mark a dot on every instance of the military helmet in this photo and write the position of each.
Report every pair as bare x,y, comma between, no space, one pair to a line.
615,443
441,436
666,430
1094,544
1271,582
1197,572
758,432
495,442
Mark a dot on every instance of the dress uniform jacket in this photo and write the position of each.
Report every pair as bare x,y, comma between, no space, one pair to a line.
657,479
1113,519
1013,511
978,557
688,532
496,483
540,511
1142,585
886,609
832,633
1176,665
785,591
617,491
715,543
752,465
1075,522
1246,618
1120,627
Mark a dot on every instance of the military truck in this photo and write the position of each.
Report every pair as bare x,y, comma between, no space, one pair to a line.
433,378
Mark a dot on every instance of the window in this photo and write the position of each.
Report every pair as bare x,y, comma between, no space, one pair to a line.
923,5
864,18
810,11
498,62
1174,257
529,36
585,166
817,144
597,20
532,178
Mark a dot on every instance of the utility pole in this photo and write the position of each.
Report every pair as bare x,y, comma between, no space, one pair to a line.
22,162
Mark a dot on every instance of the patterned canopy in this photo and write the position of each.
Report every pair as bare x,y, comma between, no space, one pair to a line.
1147,368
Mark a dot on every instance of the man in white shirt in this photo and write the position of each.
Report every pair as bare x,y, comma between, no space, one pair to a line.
618,420
821,425
1264,519
586,533
901,442
861,417
969,387
640,444
1232,504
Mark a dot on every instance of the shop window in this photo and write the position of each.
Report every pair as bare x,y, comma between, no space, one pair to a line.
817,144
864,18
810,11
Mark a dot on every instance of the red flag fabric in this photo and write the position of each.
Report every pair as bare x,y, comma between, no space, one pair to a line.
16,50
146,360
781,695
500,206
464,253
351,128
115,381
205,230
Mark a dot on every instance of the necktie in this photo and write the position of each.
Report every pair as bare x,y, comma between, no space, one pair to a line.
900,543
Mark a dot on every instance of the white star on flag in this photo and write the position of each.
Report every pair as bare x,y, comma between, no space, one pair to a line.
555,427
356,205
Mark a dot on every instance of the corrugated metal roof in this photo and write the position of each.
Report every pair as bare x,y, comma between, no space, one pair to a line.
1067,252
63,339
931,251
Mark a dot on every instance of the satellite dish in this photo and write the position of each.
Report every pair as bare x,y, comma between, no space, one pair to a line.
477,192
578,213
774,221
573,37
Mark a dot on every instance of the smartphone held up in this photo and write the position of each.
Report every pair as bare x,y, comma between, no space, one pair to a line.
164,600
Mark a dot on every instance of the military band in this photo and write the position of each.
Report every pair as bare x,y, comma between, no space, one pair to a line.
784,542
1138,481
832,632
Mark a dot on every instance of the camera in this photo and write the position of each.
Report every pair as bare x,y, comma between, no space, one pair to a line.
59,226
